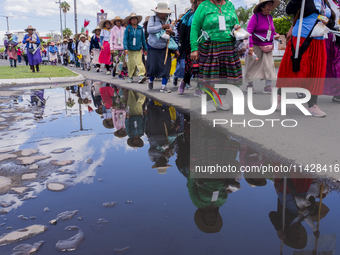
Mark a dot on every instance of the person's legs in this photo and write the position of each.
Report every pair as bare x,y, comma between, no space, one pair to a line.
32,68
11,62
164,89
37,66
131,65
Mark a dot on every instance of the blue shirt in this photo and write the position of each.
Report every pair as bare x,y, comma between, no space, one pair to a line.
137,33
28,44
53,49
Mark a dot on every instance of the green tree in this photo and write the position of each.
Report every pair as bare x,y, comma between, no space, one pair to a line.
280,11
65,7
282,25
244,13
67,33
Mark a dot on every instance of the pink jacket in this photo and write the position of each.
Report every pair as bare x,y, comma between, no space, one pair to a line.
117,36
118,122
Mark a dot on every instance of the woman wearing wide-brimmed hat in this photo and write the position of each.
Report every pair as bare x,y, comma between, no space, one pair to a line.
53,53
116,46
63,51
262,34
95,48
32,42
11,51
158,51
134,45
84,51
105,53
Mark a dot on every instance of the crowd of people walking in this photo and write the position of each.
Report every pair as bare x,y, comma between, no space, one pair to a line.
208,43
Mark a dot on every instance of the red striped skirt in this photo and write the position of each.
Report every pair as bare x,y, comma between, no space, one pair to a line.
313,67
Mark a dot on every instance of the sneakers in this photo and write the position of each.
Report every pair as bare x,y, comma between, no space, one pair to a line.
120,77
181,88
165,90
175,82
224,106
268,89
98,70
130,80
142,79
301,95
211,106
108,73
248,87
188,87
336,99
316,111
150,85
198,92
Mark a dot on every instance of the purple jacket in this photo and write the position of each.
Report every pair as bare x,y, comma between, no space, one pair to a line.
258,24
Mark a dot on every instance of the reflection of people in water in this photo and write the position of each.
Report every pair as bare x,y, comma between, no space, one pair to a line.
96,97
300,206
85,93
161,132
208,195
119,112
38,102
135,121
107,95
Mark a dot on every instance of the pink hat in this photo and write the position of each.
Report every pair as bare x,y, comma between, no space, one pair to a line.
52,43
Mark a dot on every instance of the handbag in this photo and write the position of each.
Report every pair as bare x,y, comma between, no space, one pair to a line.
31,50
180,69
267,48
319,30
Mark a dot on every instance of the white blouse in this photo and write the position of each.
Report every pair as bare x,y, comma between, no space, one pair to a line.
106,34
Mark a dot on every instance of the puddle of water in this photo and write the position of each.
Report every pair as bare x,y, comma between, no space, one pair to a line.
156,208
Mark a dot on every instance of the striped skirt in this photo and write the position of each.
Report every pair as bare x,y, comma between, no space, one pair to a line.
219,60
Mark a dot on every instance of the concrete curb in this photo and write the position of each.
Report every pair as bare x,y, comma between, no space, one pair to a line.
49,80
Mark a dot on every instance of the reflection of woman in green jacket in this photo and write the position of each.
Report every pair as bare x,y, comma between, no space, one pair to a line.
208,196
135,122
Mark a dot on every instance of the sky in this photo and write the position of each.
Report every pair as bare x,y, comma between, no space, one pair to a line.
44,15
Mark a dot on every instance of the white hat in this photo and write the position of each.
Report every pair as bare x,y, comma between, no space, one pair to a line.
162,8
8,32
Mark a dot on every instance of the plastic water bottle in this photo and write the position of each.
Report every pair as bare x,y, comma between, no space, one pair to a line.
254,56
127,58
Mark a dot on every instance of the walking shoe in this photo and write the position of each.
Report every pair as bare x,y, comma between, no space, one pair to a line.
175,82
142,79
181,88
150,85
336,99
301,95
165,90
108,73
198,92
88,69
11,66
316,111
98,70
250,86
130,80
189,87
268,89
120,77
224,106
211,107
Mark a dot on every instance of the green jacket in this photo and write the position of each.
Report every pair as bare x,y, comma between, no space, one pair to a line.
207,18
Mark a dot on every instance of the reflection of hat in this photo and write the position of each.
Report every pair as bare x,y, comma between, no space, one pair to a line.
199,214
296,237
275,4
121,133
162,8
108,123
324,212
139,145
133,15
255,182
8,33
94,30
161,167
116,19
102,23
30,27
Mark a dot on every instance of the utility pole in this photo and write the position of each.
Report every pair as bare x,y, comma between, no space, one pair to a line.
75,16
61,22
7,20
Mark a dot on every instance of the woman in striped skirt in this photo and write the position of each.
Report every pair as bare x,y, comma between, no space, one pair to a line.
214,47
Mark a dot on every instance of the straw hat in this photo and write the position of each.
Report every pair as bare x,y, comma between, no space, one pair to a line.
161,168
296,242
181,16
162,8
121,133
108,123
116,19
133,15
30,27
65,40
82,36
101,24
275,4
203,226
260,181
147,19
94,30
324,212
135,146
8,33
52,43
